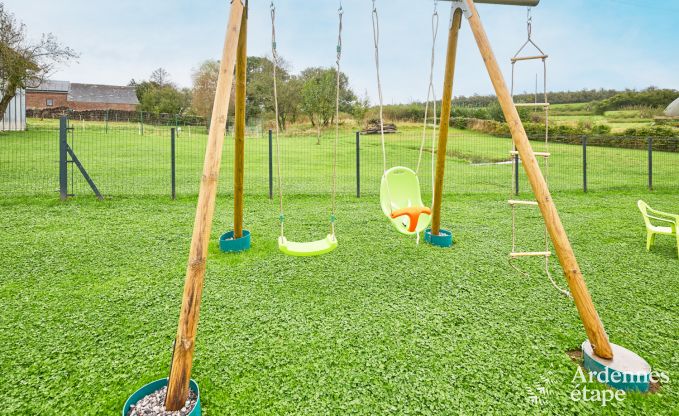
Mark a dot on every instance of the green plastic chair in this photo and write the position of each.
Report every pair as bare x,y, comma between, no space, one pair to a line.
400,189
669,227
313,248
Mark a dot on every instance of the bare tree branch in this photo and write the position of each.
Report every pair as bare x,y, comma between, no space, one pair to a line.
23,63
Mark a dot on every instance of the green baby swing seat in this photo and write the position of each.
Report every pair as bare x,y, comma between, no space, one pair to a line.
400,191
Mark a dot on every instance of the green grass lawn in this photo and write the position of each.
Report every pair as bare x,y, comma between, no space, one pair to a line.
91,294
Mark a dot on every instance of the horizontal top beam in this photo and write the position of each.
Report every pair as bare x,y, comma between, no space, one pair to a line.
526,3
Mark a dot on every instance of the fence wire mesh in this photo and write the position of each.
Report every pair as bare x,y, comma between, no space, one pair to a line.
128,158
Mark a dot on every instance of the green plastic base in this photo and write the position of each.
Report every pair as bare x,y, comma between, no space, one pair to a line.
444,239
626,371
228,244
155,386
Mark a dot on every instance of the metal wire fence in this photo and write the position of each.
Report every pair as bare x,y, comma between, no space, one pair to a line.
123,159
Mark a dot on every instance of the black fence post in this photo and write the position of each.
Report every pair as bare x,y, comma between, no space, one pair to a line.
358,164
173,164
63,158
584,163
516,174
650,163
270,164
141,123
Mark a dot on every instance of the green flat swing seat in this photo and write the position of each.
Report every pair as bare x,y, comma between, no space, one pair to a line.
400,194
313,248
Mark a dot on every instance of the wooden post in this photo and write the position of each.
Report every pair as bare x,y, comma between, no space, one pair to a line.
583,300
182,359
239,128
446,107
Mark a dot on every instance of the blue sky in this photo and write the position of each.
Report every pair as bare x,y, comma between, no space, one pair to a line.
592,44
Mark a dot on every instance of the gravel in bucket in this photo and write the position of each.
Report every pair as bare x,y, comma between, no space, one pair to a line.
154,405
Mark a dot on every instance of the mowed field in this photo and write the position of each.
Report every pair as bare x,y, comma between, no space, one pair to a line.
91,290
122,161
617,120
91,294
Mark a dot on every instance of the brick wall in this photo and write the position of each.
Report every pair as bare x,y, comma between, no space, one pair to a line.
80,106
38,100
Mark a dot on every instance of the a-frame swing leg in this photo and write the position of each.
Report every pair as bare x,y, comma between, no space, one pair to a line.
182,358
446,106
239,128
583,301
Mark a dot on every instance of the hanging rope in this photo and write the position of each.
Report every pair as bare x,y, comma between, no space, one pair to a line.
340,13
376,39
274,55
431,95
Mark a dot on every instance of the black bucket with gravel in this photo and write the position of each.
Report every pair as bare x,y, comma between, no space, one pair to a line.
150,401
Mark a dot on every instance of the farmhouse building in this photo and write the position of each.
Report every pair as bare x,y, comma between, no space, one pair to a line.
81,97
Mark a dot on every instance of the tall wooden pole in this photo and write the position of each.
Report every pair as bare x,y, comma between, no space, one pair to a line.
583,300
182,359
446,107
239,130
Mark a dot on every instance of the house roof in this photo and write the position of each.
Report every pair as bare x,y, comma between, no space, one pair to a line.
49,85
107,94
673,109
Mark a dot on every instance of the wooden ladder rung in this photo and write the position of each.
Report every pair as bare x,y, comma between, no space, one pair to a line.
529,58
541,154
514,202
532,104
531,254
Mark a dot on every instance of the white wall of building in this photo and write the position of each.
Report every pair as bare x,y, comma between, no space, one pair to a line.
14,118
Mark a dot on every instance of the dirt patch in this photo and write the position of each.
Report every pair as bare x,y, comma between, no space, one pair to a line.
576,356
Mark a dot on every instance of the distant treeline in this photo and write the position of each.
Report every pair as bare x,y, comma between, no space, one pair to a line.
650,97
486,107
555,97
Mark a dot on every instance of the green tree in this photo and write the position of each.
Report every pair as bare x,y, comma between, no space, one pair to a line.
318,94
24,63
259,95
360,109
204,87
160,95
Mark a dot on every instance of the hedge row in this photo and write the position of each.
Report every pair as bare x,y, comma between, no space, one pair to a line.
665,138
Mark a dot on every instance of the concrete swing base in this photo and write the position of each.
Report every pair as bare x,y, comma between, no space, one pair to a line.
626,371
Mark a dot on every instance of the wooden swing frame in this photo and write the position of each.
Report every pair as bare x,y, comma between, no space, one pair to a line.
235,56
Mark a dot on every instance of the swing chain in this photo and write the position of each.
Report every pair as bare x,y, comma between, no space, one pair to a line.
274,48
529,24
